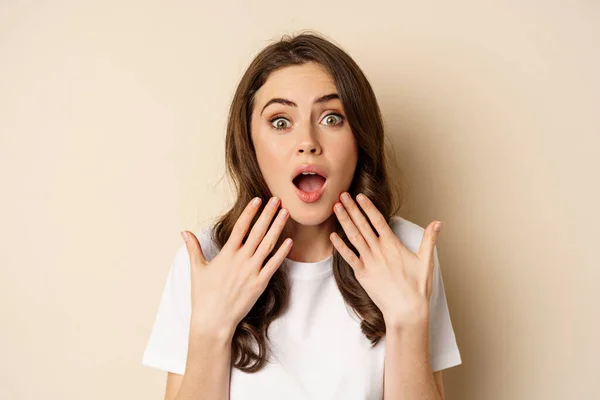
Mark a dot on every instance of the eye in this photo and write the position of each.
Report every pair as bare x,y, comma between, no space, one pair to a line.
333,119
280,123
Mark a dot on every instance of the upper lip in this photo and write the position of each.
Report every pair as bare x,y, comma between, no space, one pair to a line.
309,168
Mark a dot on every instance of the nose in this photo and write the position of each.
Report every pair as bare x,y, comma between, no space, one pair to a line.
309,144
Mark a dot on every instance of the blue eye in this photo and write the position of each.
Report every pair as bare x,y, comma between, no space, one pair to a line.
333,119
279,123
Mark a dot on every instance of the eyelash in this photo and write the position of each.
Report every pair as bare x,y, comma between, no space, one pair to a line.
280,117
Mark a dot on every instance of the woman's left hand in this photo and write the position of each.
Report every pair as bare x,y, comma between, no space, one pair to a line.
398,281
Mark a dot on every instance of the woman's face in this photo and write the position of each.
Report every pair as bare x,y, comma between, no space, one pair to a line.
297,121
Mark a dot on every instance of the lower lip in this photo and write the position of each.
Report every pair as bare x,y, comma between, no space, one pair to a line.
312,196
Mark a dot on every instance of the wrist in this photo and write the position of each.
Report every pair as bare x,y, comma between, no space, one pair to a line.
414,328
212,329
206,345
414,321
414,336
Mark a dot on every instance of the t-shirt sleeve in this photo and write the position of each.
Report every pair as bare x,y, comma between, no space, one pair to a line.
168,343
443,350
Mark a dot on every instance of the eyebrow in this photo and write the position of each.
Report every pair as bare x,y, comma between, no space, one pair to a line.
290,103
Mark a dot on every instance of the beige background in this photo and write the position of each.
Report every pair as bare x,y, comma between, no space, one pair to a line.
112,118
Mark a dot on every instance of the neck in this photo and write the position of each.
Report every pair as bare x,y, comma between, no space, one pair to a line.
311,242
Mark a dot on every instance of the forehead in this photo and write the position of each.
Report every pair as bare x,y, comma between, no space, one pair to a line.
294,82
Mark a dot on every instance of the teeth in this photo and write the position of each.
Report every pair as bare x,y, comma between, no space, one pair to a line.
308,173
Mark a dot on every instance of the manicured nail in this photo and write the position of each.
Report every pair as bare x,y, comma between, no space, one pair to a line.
283,213
346,196
437,226
273,201
256,201
361,198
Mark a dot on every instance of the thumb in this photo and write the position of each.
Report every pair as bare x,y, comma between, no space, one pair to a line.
429,240
193,247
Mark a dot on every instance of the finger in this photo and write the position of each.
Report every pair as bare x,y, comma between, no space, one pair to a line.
429,286
275,262
348,255
193,248
260,227
360,221
377,219
241,226
430,235
426,253
351,230
270,239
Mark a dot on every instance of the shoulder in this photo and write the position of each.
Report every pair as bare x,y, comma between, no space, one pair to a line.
407,231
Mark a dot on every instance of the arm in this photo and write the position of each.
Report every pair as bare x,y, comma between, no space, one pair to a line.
207,369
223,291
408,373
439,383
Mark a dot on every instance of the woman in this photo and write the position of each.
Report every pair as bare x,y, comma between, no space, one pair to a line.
305,289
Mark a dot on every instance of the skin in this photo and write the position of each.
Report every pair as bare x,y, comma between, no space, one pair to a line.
309,133
400,283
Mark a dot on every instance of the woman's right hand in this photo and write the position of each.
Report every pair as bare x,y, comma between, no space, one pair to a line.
225,289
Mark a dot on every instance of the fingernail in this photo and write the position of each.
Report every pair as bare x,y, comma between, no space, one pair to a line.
361,198
437,226
184,235
274,201
256,201
346,196
283,213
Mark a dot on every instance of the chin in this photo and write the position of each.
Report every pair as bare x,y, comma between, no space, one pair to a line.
310,216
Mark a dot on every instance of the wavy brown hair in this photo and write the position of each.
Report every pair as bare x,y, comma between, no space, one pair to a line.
250,340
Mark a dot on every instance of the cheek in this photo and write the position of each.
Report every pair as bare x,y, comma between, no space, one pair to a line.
271,156
345,154
272,148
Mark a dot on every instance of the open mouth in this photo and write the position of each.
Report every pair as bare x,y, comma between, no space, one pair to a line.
309,186
309,182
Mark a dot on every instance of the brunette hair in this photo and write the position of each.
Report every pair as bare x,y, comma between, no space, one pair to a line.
249,347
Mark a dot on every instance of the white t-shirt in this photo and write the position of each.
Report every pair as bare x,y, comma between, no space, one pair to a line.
318,349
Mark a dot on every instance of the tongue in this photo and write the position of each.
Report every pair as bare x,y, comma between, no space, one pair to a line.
310,183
